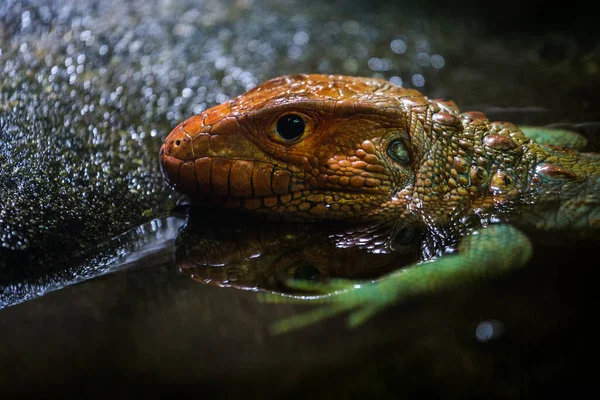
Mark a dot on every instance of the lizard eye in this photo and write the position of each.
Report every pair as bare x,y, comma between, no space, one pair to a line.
398,151
290,127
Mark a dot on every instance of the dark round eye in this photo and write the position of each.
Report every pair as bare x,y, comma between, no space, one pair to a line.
306,272
290,127
398,151
405,236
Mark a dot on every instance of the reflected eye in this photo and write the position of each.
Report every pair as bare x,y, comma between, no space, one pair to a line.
306,272
405,236
398,151
290,127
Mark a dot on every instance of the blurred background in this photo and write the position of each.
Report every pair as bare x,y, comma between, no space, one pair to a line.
90,89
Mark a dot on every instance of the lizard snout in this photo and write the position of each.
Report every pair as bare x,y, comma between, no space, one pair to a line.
175,151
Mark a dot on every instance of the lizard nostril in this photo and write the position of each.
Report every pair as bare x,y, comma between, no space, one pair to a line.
177,142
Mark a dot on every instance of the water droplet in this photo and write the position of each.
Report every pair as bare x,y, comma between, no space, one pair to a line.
489,330
422,46
375,64
301,38
418,80
437,61
186,92
423,59
294,52
396,80
398,46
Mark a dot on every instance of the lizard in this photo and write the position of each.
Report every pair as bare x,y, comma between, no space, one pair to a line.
317,147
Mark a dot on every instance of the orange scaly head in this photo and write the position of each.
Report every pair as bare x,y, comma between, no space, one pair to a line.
309,145
329,146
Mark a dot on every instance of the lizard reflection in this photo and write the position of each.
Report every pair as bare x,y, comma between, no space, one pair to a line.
255,252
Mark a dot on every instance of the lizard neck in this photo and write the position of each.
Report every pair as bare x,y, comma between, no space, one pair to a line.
466,165
564,188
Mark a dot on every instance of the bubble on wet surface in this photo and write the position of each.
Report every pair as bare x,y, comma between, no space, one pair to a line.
437,61
422,46
396,80
379,64
424,59
418,80
489,330
301,38
398,46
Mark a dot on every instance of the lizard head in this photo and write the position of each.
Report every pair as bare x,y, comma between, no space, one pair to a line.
316,146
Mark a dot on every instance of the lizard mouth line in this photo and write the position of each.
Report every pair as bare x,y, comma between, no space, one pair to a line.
250,180
296,204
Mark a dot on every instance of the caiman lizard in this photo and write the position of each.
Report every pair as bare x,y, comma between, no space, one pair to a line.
351,148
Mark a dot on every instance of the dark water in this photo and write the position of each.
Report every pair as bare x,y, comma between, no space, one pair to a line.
88,92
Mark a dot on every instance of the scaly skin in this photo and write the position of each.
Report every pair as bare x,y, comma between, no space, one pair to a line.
374,151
